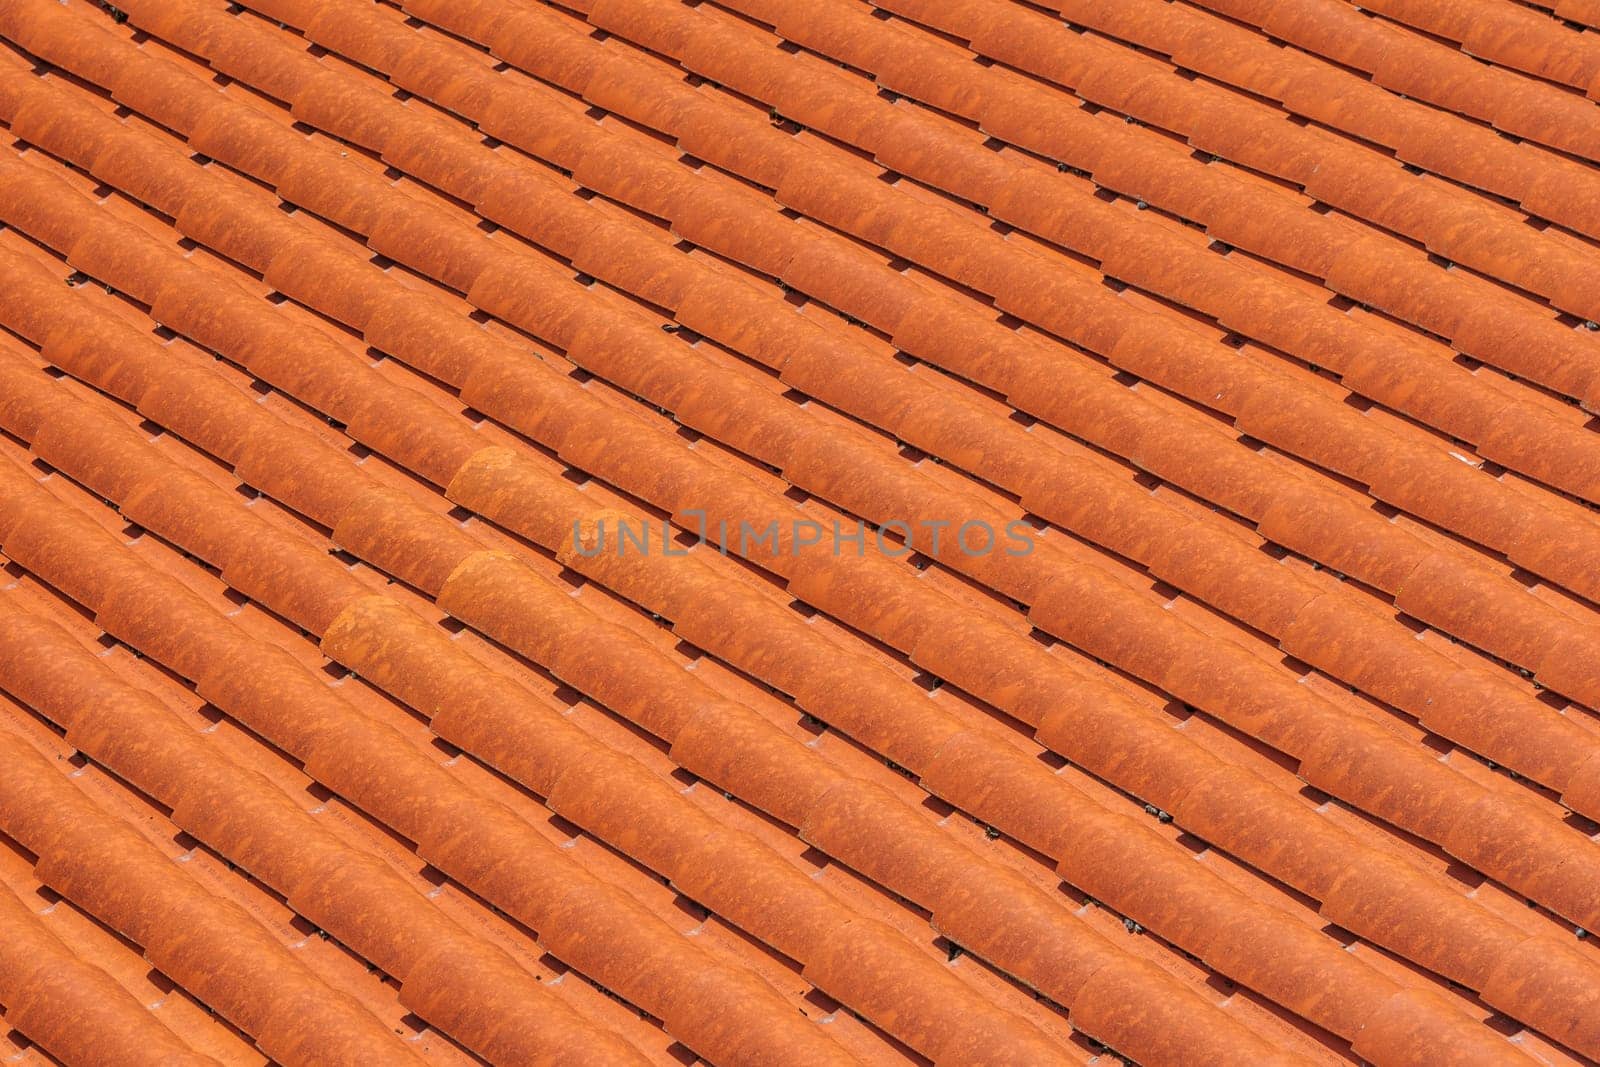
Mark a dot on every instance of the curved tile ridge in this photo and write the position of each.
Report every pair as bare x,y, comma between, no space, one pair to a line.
1031,376
204,942
72,1009
1406,808
1370,185
864,964
1530,747
1479,318
1547,185
457,981
588,924
1504,33
411,560
848,818
1504,619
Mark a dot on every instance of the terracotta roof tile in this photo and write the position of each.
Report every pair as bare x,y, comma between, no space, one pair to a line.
382,323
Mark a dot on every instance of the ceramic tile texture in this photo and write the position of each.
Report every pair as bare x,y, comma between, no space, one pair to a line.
335,334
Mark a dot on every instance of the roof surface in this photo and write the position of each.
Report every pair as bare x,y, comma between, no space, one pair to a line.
1212,674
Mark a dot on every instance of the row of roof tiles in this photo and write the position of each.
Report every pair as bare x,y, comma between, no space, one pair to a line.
1455,401
490,407
271,582
1366,184
940,323
1378,480
351,639
100,949
1124,546
504,1016
1399,61
405,540
352,914
79,1009
1506,34
210,945
1584,13
285,275
416,663
454,979
1544,183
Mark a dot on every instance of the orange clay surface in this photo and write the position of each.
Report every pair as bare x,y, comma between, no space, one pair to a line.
336,335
